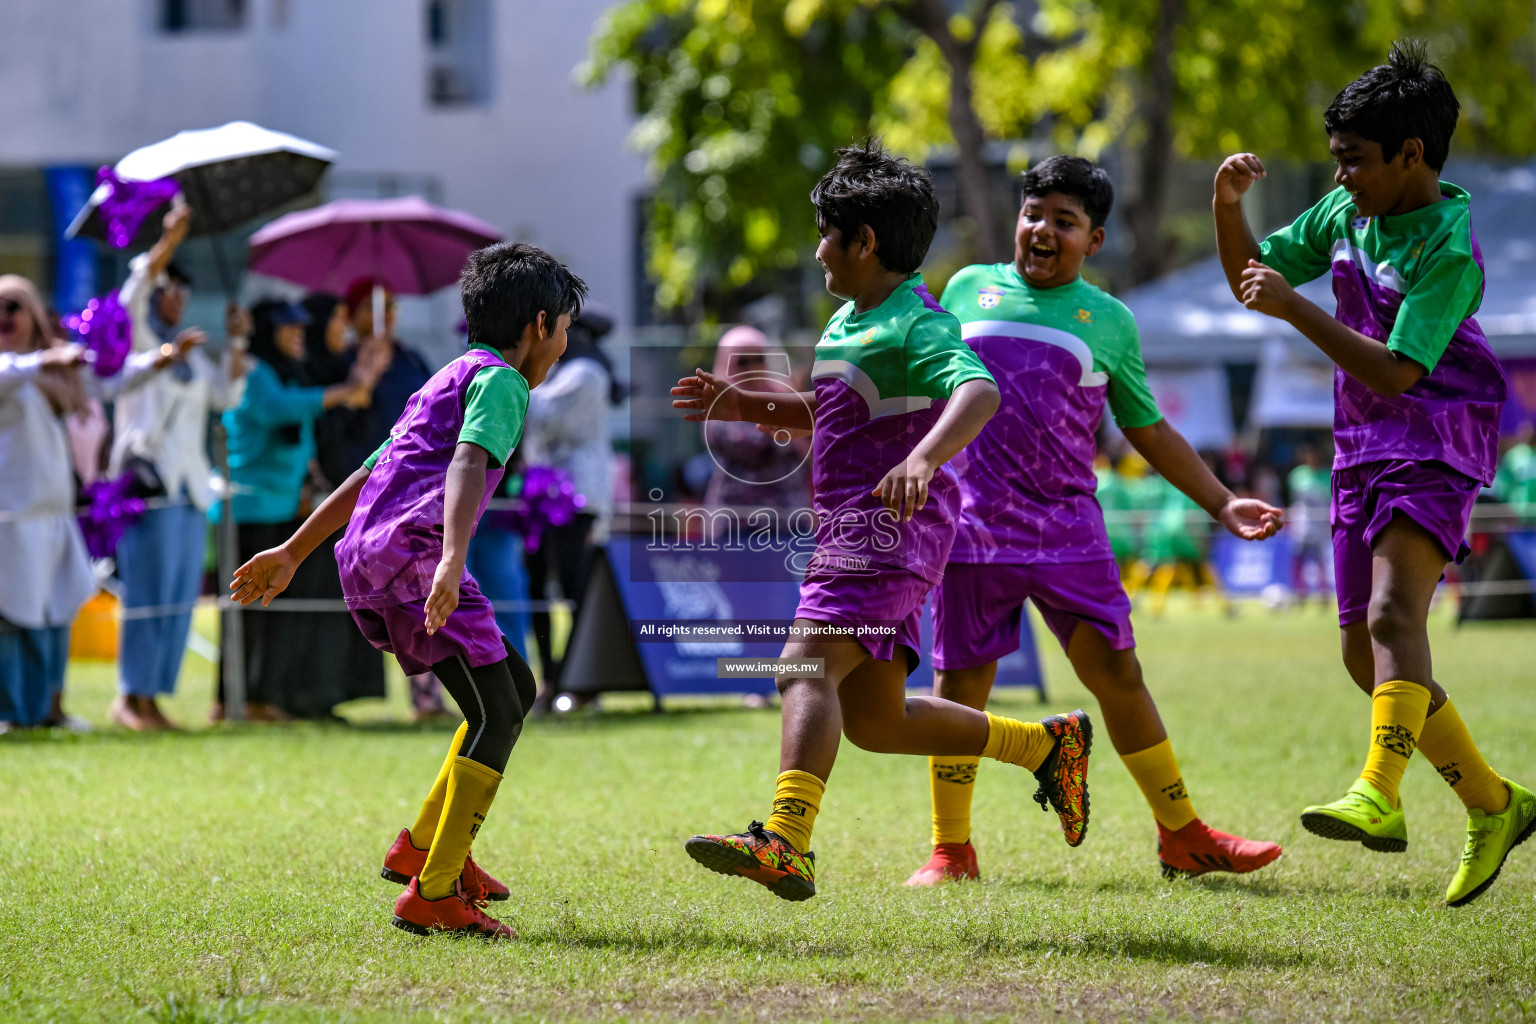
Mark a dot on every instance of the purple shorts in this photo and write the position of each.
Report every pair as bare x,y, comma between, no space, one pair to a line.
400,629
977,609
1366,497
888,602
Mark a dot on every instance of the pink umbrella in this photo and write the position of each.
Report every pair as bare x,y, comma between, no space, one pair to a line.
407,244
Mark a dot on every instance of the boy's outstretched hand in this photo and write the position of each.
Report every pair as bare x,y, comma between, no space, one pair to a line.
445,594
1250,518
1236,175
265,576
705,396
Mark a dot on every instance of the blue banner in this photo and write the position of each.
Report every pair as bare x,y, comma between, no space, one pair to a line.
74,268
736,589
1247,568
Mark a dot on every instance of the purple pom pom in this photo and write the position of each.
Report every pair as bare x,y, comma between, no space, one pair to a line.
106,331
108,514
546,498
129,203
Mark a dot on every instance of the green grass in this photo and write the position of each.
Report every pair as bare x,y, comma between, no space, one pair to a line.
232,875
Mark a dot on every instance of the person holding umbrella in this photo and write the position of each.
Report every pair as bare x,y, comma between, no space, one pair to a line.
297,665
161,420
404,372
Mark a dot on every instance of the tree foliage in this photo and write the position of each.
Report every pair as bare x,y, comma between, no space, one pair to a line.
743,101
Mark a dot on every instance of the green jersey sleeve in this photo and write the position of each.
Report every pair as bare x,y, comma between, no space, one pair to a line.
373,460
495,408
1129,396
938,359
1448,292
1304,251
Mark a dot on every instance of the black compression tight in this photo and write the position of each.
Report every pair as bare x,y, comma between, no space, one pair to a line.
494,700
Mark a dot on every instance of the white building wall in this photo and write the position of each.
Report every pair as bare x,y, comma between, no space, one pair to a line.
86,81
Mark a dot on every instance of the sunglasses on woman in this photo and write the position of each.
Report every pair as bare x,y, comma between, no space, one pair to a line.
9,307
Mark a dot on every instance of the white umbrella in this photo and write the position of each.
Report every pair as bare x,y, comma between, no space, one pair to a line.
230,175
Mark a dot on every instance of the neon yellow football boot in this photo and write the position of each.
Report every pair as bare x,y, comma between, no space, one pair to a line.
1490,837
1364,816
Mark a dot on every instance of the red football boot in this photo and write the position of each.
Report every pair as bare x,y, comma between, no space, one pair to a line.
455,914
1195,849
404,862
950,861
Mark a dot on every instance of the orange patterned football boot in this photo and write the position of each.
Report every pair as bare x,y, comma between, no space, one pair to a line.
1063,777
760,855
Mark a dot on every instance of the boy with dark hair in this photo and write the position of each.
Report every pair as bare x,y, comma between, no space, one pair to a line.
1030,527
1417,399
409,513
895,387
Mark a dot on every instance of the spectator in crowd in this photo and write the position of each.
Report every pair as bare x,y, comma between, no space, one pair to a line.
754,467
328,360
297,665
1114,496
404,372
567,428
1515,482
45,575
161,421
1306,521
1177,544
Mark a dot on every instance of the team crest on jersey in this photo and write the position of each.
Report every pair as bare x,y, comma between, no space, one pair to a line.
1083,316
989,297
867,337
1359,223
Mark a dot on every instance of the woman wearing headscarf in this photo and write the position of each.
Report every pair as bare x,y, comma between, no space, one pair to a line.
754,468
567,428
45,575
295,663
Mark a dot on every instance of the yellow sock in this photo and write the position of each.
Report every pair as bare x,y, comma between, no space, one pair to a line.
796,799
1397,717
952,780
1156,771
1026,744
471,788
432,807
1448,745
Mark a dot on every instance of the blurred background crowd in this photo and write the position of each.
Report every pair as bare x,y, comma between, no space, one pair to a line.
664,150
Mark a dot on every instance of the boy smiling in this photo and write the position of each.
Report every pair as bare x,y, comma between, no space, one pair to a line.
1029,525
1417,399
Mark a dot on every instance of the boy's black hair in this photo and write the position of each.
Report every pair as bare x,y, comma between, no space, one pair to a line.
505,286
893,197
176,274
1405,98
1075,178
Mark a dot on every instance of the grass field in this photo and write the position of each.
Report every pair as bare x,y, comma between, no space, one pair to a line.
232,875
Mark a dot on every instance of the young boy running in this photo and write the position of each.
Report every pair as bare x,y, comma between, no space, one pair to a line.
409,513
897,395
1417,397
1029,527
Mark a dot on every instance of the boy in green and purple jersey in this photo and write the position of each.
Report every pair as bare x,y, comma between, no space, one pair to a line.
1417,399
1029,527
897,395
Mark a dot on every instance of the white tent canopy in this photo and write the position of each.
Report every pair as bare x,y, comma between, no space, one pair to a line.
1190,316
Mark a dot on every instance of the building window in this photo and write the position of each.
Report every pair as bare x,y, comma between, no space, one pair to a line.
458,37
200,15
